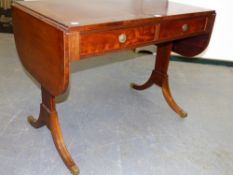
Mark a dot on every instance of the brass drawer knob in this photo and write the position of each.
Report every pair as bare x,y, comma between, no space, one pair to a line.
122,38
185,27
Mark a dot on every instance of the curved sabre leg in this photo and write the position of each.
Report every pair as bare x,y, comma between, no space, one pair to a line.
60,144
49,117
42,119
36,123
159,77
144,86
171,102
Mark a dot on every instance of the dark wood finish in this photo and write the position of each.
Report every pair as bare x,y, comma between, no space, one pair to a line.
48,41
106,41
49,117
159,77
192,46
42,51
96,14
174,29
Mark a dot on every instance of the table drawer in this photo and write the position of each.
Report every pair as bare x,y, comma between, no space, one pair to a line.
181,28
104,41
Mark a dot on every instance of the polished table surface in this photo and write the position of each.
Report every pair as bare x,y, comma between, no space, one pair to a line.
50,34
74,13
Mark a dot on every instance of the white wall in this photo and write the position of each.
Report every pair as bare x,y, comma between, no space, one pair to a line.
221,44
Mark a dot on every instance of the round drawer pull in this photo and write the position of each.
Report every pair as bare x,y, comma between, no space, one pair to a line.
122,38
185,27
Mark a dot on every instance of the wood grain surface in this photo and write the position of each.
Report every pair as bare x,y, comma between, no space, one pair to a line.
41,49
51,34
94,14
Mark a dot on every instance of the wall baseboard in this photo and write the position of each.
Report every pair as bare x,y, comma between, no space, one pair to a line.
202,61
196,60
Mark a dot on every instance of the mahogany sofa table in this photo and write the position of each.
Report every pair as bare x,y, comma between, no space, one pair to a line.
51,34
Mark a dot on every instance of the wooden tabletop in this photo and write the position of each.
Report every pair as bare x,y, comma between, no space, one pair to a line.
79,13
50,34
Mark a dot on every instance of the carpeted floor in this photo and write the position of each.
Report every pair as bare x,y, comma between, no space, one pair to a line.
111,129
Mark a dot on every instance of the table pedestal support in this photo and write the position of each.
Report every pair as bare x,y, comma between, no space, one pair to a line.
159,77
49,117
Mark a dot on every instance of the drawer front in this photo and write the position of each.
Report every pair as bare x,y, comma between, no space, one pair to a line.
182,28
92,43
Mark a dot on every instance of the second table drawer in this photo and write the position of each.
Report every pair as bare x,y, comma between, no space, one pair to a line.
180,28
104,41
